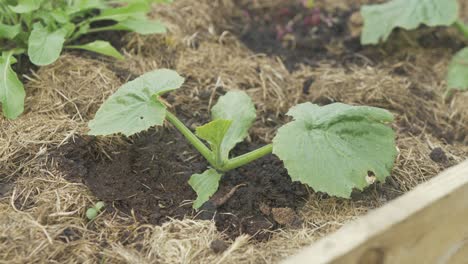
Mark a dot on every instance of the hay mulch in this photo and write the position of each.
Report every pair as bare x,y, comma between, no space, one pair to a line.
42,215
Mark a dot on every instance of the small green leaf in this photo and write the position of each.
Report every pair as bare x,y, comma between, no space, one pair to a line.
238,107
334,148
60,16
380,20
457,76
11,89
101,47
9,32
140,26
26,6
99,206
214,133
91,213
205,185
134,107
45,47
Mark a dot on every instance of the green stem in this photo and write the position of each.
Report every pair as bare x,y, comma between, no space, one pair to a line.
100,29
462,28
192,138
247,158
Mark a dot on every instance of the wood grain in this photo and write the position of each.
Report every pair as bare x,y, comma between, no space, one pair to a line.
427,225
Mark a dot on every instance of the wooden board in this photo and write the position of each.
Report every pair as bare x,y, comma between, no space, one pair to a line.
427,225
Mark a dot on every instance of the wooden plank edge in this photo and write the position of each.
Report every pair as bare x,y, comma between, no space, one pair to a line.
372,230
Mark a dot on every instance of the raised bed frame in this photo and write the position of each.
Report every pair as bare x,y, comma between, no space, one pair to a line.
426,225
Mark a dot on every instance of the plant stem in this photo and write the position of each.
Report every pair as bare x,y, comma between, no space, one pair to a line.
247,158
462,28
100,29
192,138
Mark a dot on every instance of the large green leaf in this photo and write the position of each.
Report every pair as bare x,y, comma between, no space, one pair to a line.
214,133
101,47
457,77
26,6
336,148
380,20
135,107
238,107
205,185
142,26
9,32
45,47
11,89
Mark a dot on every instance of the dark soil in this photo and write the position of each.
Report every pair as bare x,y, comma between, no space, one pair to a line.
300,35
149,174
296,34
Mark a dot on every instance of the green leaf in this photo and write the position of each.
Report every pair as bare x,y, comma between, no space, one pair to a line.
457,76
135,107
9,32
205,185
214,133
99,205
101,47
333,148
45,47
133,10
11,89
26,6
91,213
380,20
85,5
60,16
238,107
141,26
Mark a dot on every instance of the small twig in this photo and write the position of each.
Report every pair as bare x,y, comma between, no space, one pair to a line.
222,200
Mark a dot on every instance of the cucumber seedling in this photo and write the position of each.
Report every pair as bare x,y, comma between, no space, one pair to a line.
93,212
334,148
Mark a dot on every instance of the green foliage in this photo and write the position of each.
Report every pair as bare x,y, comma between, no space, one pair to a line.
44,46
11,89
238,107
42,29
135,106
93,212
457,77
214,133
380,20
205,185
331,148
99,46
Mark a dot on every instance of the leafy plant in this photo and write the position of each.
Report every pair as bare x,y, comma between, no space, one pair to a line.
334,148
93,212
380,20
42,29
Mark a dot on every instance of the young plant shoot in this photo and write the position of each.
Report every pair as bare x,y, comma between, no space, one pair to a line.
41,29
333,149
381,19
